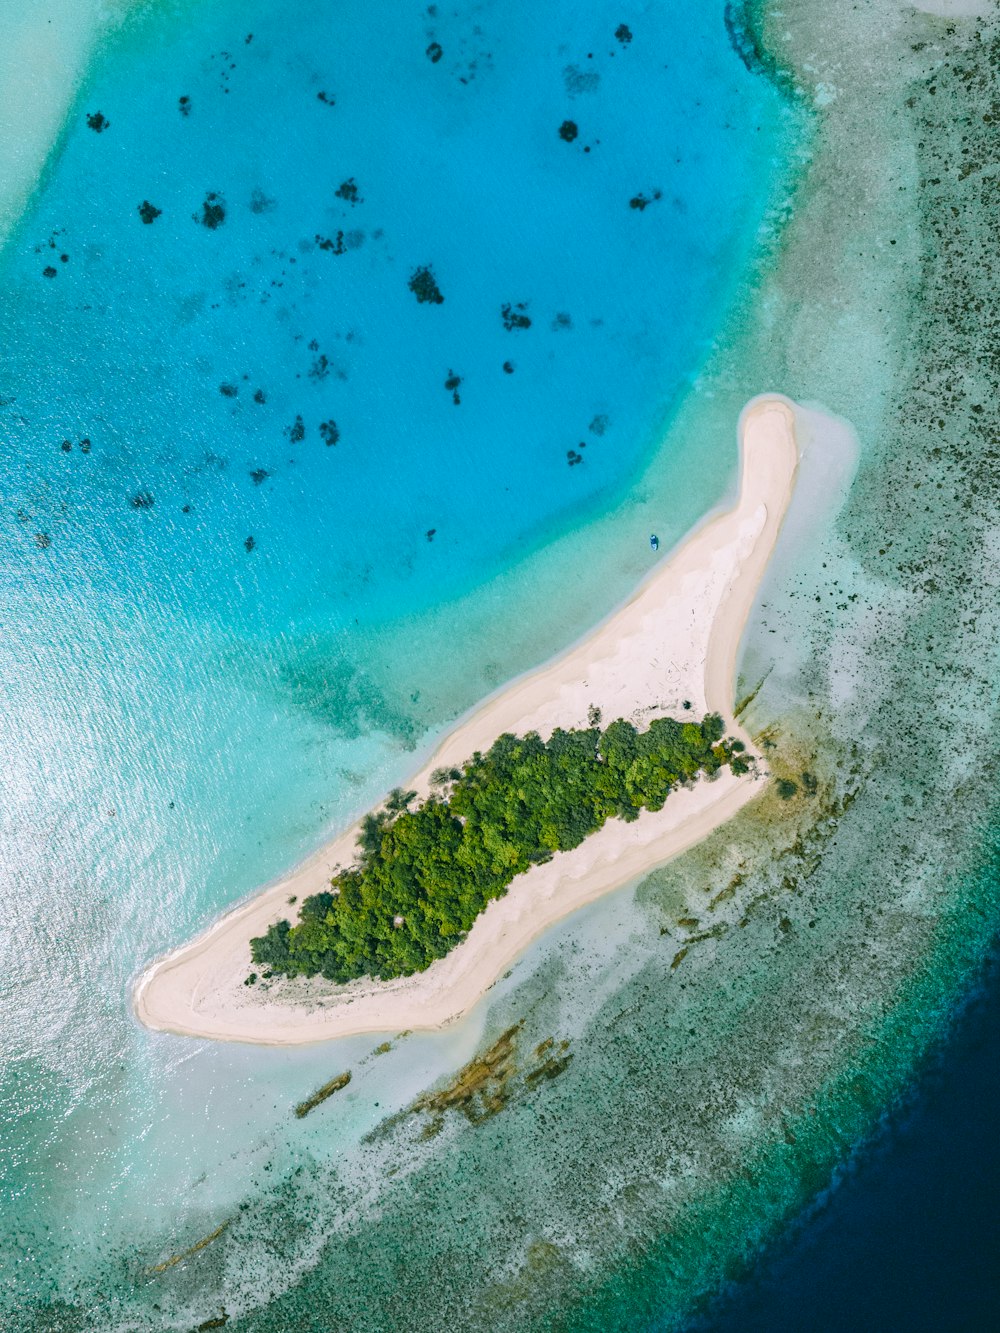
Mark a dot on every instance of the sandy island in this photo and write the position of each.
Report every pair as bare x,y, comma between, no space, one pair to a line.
675,640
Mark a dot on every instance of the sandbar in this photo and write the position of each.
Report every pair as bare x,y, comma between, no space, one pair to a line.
673,643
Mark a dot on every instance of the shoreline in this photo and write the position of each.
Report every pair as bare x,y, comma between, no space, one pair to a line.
675,639
43,67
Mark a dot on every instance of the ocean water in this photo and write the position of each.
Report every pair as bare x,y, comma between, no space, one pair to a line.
744,1022
269,522
907,1238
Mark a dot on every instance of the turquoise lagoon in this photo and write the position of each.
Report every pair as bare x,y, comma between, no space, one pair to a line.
270,522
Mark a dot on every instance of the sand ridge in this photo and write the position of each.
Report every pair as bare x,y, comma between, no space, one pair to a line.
675,640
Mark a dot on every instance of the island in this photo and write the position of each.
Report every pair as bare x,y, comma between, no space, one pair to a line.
611,802
424,875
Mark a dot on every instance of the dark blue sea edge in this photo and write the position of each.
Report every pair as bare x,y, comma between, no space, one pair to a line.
903,1236
907,1235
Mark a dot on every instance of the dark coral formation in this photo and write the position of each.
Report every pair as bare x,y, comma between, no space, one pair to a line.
348,191
213,212
149,212
321,1094
334,246
515,316
329,432
568,130
424,286
98,122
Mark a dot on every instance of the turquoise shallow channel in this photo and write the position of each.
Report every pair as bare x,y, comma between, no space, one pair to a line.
270,522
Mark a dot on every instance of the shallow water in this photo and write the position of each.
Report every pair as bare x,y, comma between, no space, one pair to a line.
739,1022
187,712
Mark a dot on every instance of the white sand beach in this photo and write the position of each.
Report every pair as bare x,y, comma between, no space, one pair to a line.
675,640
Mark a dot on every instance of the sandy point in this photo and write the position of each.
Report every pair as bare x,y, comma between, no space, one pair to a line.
670,649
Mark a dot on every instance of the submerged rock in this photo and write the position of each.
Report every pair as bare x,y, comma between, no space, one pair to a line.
329,432
335,245
149,212
348,190
514,316
98,122
568,130
424,286
434,52
321,1094
640,202
213,212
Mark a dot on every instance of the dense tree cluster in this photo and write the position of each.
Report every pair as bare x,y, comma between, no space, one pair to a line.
424,875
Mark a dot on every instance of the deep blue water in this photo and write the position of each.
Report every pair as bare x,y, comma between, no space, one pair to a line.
909,1238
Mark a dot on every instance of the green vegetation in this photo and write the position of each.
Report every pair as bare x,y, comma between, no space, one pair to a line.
424,875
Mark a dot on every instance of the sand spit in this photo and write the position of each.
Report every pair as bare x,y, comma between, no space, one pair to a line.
674,641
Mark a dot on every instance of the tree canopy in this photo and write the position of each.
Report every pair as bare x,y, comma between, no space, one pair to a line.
424,875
